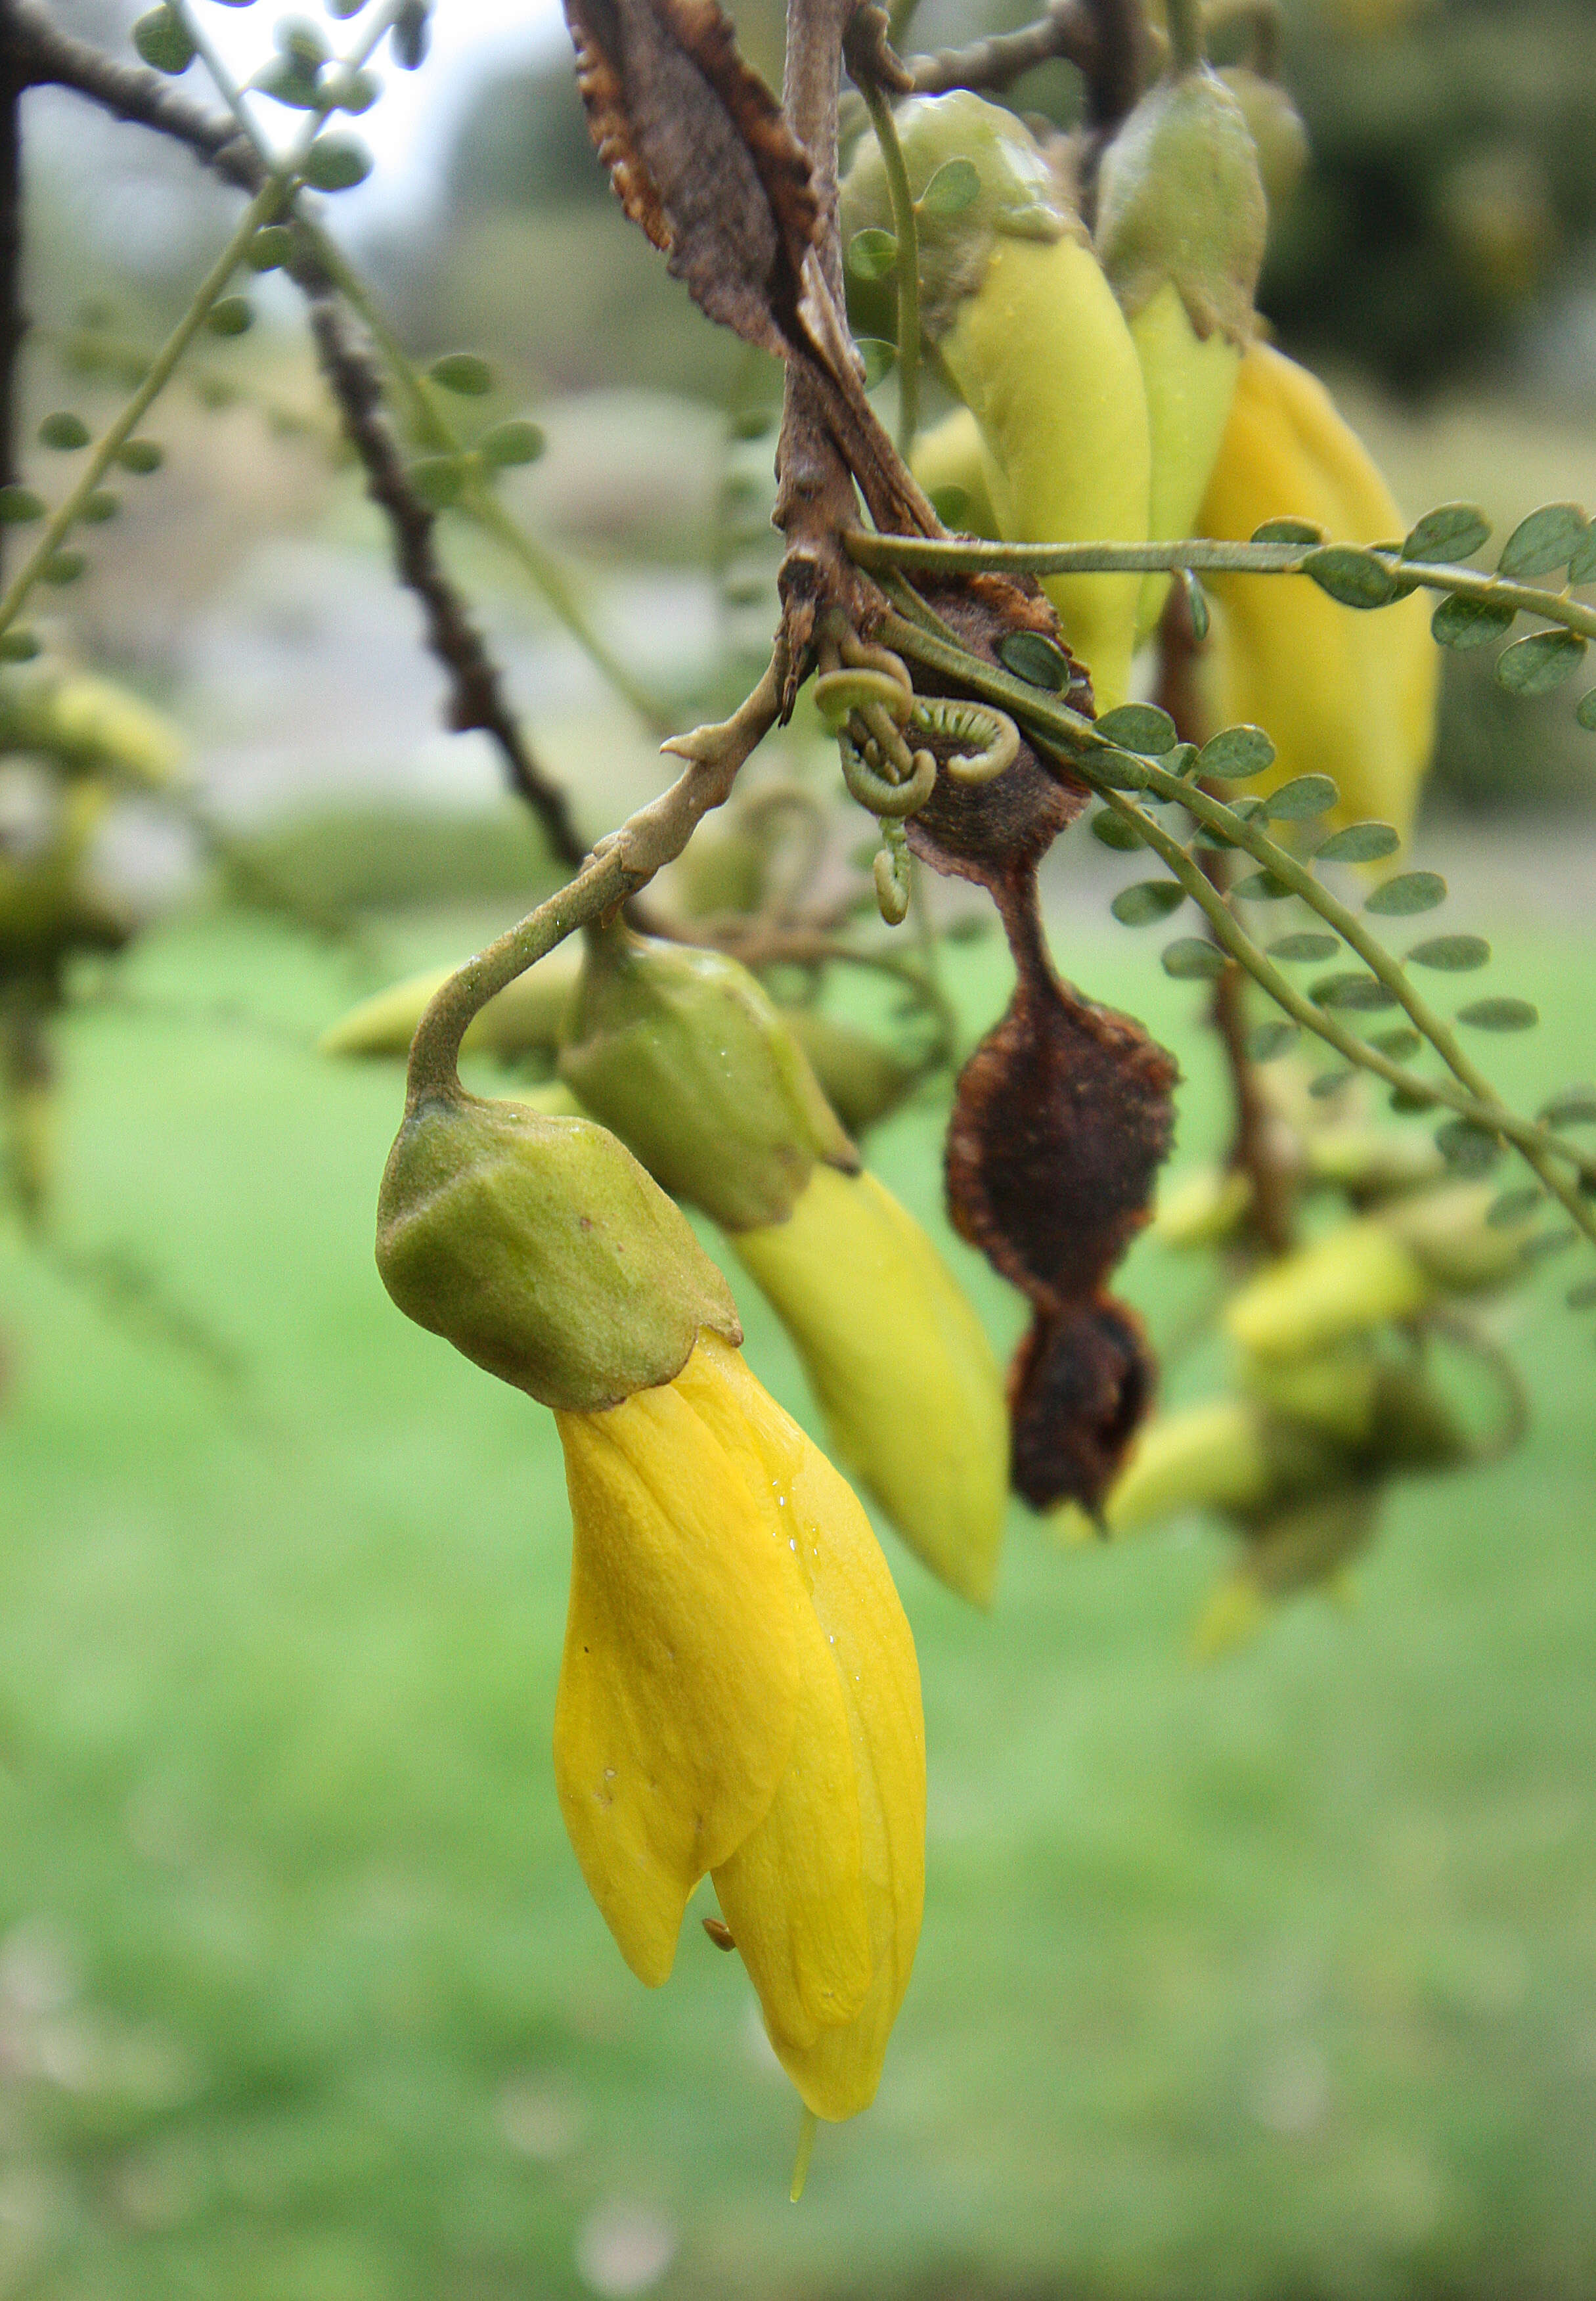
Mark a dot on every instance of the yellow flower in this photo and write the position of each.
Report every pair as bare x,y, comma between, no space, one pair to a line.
911,1392
739,1697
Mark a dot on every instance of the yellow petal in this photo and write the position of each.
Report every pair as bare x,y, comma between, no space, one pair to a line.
1343,692
862,1628
678,1687
911,1392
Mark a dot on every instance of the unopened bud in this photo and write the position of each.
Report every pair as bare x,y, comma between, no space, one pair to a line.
682,1052
1358,1276
541,1250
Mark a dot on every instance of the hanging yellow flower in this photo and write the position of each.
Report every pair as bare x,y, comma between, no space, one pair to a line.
739,1695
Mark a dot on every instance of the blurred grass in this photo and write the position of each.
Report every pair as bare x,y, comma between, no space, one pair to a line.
1274,1979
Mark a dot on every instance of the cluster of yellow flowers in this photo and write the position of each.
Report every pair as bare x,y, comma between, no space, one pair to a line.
738,1694
1113,388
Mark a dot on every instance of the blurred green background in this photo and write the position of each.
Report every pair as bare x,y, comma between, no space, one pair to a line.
1276,1980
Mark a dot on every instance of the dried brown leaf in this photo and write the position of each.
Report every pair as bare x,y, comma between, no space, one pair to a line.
700,157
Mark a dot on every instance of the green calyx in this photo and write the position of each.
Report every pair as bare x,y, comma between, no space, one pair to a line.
1180,198
1013,190
541,1250
682,1052
1278,130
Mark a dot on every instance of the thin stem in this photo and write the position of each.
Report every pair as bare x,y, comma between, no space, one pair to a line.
908,268
1185,20
996,64
261,211
959,555
617,868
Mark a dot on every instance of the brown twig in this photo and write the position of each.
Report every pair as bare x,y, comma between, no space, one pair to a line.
40,52
1065,31
476,696
1255,1143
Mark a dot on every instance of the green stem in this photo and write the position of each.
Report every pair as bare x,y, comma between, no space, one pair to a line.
261,211
959,556
1185,20
908,268
1077,740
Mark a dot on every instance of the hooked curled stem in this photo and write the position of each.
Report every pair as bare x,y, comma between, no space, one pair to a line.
618,867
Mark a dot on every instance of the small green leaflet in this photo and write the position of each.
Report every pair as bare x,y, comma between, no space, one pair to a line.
1197,604
880,358
871,253
1139,727
1583,1297
1451,532
1499,1015
1536,665
1035,660
1148,900
1575,1107
1270,1040
1462,622
164,42
1191,961
1360,843
1397,1046
1114,831
1408,891
335,163
466,374
1305,947
1585,711
1466,1148
1260,887
1364,994
1356,578
1545,541
1234,754
1329,1083
63,430
19,505
516,441
1300,799
955,187
1455,954
1288,531
1513,1207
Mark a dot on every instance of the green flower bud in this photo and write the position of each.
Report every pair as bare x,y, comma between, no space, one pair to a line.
522,1019
1448,1235
684,1054
1278,130
541,1250
1180,199
863,1081
1016,193
88,724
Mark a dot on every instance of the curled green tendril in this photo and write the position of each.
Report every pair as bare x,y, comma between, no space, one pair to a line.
875,792
890,872
837,694
963,721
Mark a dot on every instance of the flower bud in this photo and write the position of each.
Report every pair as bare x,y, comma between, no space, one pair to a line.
1307,1544
1277,129
1203,1208
1356,1276
523,1018
1446,1232
912,1394
863,1081
541,1250
88,725
1335,1390
682,1052
1180,225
